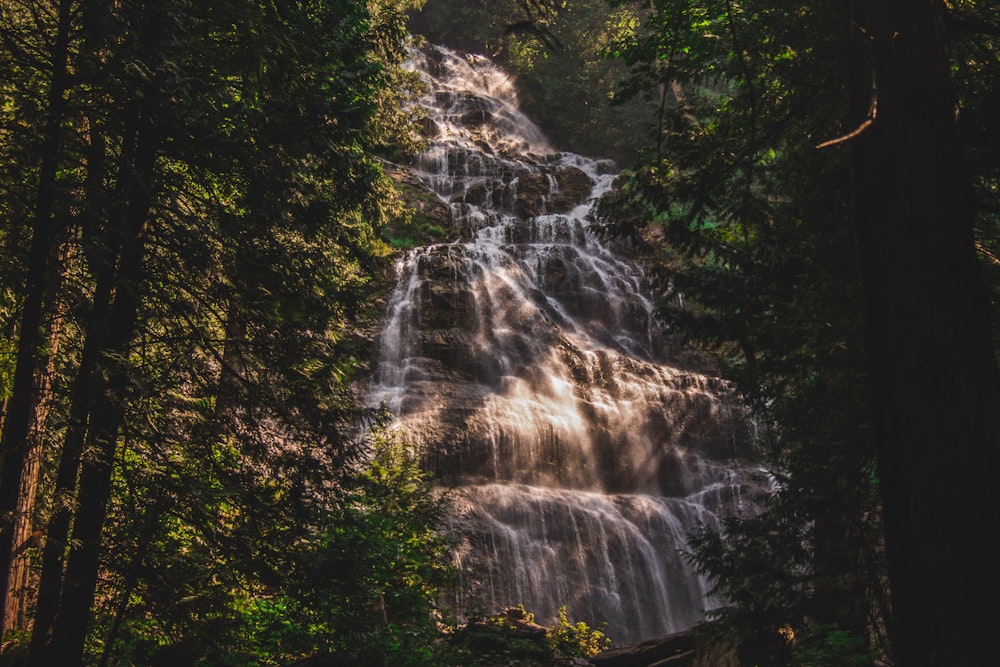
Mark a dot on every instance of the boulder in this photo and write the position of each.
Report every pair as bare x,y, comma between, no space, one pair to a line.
536,196
574,188
428,127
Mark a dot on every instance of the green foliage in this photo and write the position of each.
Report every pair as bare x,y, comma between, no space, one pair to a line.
829,646
513,638
557,51
245,524
356,583
976,71
414,226
8,355
746,225
576,639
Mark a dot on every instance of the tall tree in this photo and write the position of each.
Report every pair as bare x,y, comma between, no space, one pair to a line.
935,386
779,126
15,443
222,194
59,635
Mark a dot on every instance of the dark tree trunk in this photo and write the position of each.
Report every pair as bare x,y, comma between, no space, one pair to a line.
82,397
19,589
102,256
71,561
841,593
65,646
935,386
14,444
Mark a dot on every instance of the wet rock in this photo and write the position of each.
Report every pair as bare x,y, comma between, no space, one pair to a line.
531,191
484,194
574,188
536,194
571,661
428,127
476,110
554,272
521,625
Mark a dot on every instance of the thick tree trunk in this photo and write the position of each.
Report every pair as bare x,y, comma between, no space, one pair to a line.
71,561
840,587
82,565
18,594
936,392
14,444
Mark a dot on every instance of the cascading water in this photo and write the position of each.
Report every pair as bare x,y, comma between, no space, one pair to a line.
525,362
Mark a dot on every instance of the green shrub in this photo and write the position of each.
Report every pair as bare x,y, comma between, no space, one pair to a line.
577,639
830,646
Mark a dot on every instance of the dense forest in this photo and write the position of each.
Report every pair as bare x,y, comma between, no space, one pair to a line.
198,225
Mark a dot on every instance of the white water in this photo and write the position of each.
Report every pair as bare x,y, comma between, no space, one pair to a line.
525,361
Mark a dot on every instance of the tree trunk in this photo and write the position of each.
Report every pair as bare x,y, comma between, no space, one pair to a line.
840,587
86,385
18,594
71,561
14,444
65,647
935,386
82,398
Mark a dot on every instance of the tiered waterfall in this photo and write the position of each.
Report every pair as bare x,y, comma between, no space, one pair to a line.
524,360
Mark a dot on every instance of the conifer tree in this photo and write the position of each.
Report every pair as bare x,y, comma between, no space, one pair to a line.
213,171
788,139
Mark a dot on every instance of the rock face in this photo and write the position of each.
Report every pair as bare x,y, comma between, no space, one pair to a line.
524,360
429,208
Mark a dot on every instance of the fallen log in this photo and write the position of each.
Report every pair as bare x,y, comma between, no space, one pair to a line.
675,650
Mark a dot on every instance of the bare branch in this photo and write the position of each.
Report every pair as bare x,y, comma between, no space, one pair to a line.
865,124
868,122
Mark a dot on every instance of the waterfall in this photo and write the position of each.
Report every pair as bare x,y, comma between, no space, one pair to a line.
525,361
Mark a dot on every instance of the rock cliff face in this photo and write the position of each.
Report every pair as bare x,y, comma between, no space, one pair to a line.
524,360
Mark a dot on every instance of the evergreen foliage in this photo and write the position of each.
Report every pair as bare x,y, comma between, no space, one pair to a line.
512,638
557,51
194,191
192,208
759,265
744,203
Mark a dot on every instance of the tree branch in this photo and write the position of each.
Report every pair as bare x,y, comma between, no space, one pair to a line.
865,124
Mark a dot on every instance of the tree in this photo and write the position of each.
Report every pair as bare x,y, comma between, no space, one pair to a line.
772,138
15,446
217,183
935,386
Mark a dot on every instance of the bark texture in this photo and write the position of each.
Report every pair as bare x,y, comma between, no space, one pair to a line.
14,444
935,386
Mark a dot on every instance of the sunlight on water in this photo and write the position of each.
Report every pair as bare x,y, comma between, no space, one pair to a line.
525,360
